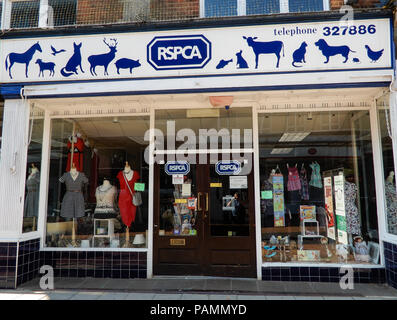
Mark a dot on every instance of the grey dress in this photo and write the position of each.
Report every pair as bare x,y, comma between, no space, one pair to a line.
73,201
32,195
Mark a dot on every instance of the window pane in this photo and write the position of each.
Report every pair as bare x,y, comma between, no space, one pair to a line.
220,8
262,6
318,188
64,12
32,192
89,201
388,164
25,14
305,5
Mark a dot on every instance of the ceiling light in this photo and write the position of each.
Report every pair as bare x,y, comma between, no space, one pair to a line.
115,119
293,136
281,150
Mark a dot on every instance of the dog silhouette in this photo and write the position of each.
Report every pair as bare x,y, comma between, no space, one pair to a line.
329,51
241,63
74,62
46,66
299,55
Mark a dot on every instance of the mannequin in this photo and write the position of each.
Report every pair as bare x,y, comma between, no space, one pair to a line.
73,202
32,194
105,199
391,203
75,155
353,226
390,178
127,179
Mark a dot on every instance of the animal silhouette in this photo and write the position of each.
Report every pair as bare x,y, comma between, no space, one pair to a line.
329,51
265,47
299,55
46,66
373,55
103,59
55,51
241,63
223,63
125,63
74,62
24,58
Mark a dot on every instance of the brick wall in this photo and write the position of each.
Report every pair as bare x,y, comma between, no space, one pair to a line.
336,4
94,11
174,9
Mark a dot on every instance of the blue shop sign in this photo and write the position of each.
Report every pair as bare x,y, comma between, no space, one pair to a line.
179,52
228,167
177,167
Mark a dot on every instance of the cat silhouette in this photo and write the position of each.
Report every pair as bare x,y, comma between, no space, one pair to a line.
74,62
299,55
241,63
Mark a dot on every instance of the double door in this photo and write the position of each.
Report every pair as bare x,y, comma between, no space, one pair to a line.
204,220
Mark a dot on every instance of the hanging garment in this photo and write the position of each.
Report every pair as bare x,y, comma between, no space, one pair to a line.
94,157
294,182
32,195
391,204
77,154
352,214
87,152
105,201
73,201
315,180
304,184
127,209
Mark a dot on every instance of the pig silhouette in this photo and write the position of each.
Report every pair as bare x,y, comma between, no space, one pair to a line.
125,63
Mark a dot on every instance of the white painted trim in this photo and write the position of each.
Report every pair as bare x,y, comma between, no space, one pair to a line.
149,263
284,6
99,115
241,7
378,173
326,5
203,151
319,265
43,14
202,8
95,249
6,15
257,186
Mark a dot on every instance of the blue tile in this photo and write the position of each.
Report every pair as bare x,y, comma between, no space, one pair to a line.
304,271
314,272
295,272
285,272
275,272
324,272
314,279
295,278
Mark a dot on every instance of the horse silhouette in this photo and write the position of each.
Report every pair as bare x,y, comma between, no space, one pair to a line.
25,58
74,62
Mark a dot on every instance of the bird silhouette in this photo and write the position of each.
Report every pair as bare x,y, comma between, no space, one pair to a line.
55,51
223,63
373,55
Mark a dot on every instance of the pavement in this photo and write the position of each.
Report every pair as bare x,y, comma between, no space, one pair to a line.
194,288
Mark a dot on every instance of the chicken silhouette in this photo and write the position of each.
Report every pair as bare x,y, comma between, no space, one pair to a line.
55,51
373,55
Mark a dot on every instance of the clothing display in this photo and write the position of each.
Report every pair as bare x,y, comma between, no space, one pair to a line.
105,201
32,195
94,157
77,153
73,201
294,182
304,184
127,209
315,180
352,214
391,206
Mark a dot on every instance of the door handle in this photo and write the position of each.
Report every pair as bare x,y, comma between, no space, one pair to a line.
206,201
198,201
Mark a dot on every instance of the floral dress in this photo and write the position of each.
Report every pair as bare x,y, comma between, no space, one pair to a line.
315,180
304,184
352,214
293,179
391,203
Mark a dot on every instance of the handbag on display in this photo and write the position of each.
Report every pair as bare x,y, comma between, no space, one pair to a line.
136,196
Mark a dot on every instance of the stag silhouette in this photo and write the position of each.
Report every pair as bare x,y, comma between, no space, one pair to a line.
103,59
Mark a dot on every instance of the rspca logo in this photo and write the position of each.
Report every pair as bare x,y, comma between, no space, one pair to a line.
179,52
228,167
177,167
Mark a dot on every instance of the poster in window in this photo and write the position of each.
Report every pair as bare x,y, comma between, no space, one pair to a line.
278,200
329,207
339,190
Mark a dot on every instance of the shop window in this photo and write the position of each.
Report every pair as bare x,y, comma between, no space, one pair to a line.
32,186
317,188
305,5
262,7
63,12
98,183
25,14
220,8
388,164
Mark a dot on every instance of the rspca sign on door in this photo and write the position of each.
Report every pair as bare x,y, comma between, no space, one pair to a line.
179,52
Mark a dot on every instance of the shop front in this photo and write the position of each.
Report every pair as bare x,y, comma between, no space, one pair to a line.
136,154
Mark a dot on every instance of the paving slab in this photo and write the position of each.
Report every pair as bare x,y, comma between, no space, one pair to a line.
117,284
298,288
251,297
190,296
245,285
218,285
61,295
167,297
140,296
117,296
84,295
267,287
280,298
222,297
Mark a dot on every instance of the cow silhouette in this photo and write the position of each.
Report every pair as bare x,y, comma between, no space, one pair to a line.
24,58
241,63
265,47
74,62
125,63
46,66
103,59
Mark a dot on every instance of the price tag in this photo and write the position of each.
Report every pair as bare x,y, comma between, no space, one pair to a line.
139,186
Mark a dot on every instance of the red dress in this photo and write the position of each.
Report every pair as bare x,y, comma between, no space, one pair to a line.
127,209
77,155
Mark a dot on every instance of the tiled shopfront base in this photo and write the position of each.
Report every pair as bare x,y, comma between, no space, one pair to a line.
96,264
8,260
391,263
321,274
